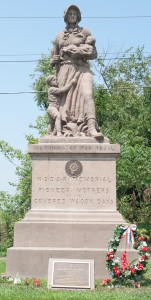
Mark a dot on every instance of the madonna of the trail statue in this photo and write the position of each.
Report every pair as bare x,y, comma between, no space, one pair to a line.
73,205
72,49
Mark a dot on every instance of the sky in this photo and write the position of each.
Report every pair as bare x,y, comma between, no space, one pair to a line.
26,39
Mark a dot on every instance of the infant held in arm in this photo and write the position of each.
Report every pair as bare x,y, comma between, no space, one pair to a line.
86,48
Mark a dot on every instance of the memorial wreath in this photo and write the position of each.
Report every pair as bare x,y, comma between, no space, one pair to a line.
120,269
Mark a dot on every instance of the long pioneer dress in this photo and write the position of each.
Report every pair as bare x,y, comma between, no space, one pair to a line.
79,99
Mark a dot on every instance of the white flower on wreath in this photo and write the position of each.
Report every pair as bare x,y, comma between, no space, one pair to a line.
147,254
144,244
141,259
116,260
111,240
110,250
136,268
127,273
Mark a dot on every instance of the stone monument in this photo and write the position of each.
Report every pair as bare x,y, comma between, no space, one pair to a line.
73,210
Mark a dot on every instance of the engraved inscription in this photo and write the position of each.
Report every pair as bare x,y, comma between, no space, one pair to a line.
89,192
80,179
88,148
76,190
73,201
91,201
53,190
48,200
93,189
71,274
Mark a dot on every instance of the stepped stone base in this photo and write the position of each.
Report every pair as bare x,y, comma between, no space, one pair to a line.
33,262
43,235
73,210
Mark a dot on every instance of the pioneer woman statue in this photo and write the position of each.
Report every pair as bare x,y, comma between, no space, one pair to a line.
72,49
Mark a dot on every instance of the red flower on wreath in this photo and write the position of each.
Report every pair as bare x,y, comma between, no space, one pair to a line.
144,249
141,238
116,271
110,253
140,266
142,258
109,257
133,271
125,264
124,255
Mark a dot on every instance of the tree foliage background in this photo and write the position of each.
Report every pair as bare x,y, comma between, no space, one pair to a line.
123,112
123,108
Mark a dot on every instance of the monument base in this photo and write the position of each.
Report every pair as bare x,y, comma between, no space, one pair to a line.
33,262
73,212
37,239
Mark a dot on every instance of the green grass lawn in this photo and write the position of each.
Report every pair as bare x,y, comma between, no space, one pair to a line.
22,292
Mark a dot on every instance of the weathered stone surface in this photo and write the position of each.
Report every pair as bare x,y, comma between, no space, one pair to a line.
33,261
71,217
73,148
55,139
71,107
93,189
67,234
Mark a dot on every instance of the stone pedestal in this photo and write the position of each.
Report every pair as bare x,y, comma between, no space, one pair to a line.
73,211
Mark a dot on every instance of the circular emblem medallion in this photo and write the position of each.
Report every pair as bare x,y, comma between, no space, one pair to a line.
73,168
